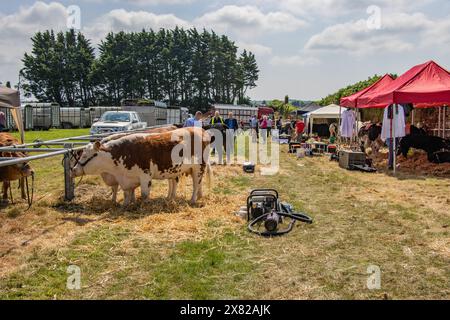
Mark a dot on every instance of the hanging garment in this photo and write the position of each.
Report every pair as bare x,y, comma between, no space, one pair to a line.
398,126
348,123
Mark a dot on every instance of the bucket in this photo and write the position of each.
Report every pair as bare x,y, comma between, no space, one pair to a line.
301,153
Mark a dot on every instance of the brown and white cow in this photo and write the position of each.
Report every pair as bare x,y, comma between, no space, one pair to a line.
13,172
109,179
135,160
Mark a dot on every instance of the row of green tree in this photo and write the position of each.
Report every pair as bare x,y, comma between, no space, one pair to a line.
335,98
183,67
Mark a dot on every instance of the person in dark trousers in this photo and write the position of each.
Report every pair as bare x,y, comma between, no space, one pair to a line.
233,126
254,129
217,119
231,122
269,126
280,124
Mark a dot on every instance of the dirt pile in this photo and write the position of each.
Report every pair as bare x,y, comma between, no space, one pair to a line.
417,163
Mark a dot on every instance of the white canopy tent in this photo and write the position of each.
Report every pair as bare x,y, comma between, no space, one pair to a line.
332,111
10,98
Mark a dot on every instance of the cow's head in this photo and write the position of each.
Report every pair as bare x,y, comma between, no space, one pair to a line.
16,171
75,157
88,162
26,170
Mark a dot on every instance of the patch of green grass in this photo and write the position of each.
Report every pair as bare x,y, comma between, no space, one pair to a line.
52,134
224,191
207,269
45,276
241,181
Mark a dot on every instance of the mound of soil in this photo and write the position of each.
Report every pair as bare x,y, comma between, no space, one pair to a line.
417,163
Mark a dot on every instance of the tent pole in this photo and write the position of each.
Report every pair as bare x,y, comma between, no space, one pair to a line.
439,122
394,143
443,121
340,121
390,136
355,126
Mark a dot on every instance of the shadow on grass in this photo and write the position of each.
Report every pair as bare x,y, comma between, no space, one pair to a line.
98,206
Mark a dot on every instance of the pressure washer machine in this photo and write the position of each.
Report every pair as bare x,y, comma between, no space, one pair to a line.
266,214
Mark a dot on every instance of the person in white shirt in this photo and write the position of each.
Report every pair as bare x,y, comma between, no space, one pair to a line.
393,129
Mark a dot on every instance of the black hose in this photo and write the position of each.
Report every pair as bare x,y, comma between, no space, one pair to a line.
293,216
299,217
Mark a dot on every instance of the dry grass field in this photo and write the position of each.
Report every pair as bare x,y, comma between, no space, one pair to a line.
171,250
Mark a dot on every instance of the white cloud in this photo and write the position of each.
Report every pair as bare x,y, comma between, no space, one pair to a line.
145,2
159,2
331,8
248,21
122,20
438,35
256,48
300,60
16,29
399,32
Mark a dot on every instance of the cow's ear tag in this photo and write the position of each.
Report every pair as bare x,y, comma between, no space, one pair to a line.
97,145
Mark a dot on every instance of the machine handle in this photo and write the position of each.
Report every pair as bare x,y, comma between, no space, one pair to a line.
264,190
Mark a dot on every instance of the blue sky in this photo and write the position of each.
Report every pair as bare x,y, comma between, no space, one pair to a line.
305,48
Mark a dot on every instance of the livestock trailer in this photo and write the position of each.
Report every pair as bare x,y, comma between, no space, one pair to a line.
241,112
40,116
74,118
82,117
177,115
95,113
154,114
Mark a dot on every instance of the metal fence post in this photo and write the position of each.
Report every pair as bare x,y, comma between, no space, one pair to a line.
69,182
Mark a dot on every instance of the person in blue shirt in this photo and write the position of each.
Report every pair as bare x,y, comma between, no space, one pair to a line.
231,122
254,129
195,121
